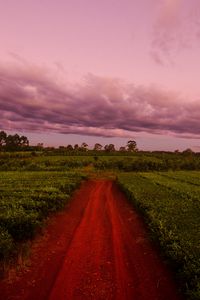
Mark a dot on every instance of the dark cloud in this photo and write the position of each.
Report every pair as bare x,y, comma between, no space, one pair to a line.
31,99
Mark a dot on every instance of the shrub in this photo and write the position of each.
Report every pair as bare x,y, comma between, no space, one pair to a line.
6,243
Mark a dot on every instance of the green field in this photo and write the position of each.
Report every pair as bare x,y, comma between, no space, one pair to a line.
26,198
170,203
125,162
32,185
43,163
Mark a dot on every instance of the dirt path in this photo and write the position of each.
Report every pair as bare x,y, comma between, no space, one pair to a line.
96,249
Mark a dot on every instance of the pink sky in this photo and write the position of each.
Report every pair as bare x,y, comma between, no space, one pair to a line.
109,70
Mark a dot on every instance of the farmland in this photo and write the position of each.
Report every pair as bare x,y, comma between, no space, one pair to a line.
100,160
26,199
164,187
170,204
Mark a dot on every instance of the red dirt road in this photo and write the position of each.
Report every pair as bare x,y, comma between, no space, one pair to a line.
96,249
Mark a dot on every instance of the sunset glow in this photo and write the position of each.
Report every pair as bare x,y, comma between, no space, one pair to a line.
83,70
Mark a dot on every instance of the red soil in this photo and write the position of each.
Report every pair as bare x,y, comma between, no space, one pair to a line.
96,249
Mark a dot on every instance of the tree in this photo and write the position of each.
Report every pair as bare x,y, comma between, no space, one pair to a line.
3,136
76,147
24,141
132,146
122,149
109,147
97,147
84,147
188,151
40,146
69,148
13,141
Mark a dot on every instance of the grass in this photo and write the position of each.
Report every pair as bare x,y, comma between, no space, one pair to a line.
171,206
31,187
26,199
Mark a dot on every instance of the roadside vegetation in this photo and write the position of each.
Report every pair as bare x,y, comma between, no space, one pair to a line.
26,199
116,161
170,204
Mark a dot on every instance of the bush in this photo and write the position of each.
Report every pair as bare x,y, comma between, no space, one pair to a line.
20,224
6,243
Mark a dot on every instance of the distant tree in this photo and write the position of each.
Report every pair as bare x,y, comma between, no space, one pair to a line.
176,151
13,141
24,141
97,147
49,148
109,148
76,147
122,149
187,151
61,147
40,145
3,136
69,148
132,146
84,147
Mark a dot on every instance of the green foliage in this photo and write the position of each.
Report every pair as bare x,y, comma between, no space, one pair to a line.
20,224
6,243
132,146
147,162
12,142
26,198
171,206
127,161
42,163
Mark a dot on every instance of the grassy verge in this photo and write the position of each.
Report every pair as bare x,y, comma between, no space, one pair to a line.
26,199
171,206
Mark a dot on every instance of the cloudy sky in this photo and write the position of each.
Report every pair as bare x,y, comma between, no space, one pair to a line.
74,71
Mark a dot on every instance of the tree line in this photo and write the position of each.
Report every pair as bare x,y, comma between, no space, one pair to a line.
15,142
131,146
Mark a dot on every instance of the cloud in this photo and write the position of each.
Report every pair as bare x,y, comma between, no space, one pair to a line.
33,99
176,29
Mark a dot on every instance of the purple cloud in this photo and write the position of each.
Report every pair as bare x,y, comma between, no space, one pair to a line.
32,99
176,28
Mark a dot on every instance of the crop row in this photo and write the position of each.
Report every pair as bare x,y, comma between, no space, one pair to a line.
172,210
26,198
131,162
191,177
43,163
179,186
